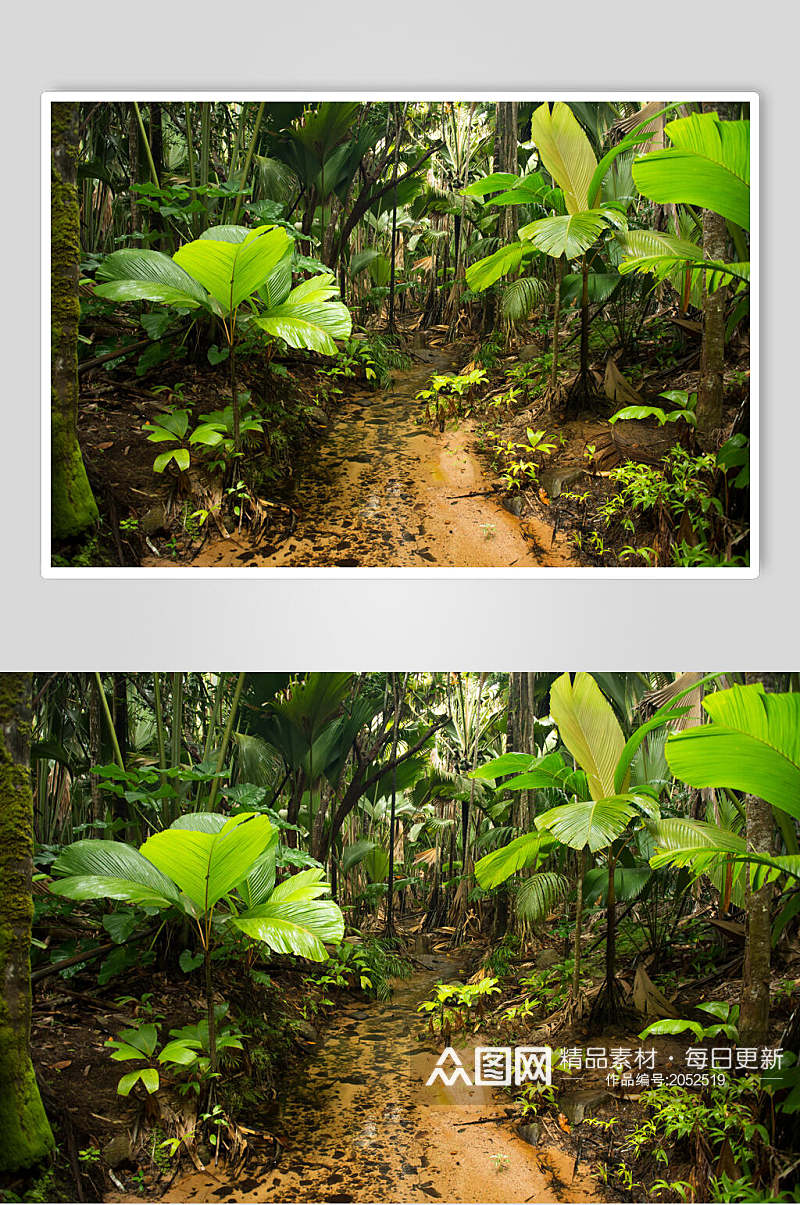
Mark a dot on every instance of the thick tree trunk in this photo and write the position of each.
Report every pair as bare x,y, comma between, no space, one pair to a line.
72,505
506,160
520,736
25,1130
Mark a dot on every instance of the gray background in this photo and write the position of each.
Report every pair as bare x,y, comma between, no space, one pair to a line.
405,623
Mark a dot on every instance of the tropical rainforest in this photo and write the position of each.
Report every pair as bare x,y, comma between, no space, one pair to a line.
244,918
400,333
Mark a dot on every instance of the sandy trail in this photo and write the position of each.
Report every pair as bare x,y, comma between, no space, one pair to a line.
381,489
359,1124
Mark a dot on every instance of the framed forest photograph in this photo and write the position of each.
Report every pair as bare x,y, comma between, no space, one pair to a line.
399,936
297,334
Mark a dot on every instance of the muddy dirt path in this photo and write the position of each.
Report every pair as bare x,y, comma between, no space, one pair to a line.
382,489
359,1124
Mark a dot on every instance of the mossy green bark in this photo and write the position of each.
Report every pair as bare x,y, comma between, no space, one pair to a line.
25,1134
73,508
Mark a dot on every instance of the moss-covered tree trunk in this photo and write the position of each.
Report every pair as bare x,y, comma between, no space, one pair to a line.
73,507
25,1131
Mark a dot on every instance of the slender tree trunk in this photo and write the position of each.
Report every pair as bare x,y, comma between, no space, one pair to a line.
226,736
133,165
754,1008
95,750
392,270
584,320
611,919
248,160
72,505
556,321
210,1014
159,707
176,733
26,1134
395,726
576,947
121,714
712,353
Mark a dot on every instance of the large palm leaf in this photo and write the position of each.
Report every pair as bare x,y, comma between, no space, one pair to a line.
206,866
590,730
135,274
96,869
593,823
565,151
232,271
300,927
708,164
294,920
484,272
570,234
538,895
752,745
494,868
668,257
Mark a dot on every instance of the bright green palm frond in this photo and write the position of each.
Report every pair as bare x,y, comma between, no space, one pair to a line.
708,164
306,885
667,257
565,151
233,271
145,275
260,882
95,869
484,272
590,730
680,841
753,745
537,897
300,927
520,297
313,326
494,868
596,823
570,234
207,865
495,182
507,763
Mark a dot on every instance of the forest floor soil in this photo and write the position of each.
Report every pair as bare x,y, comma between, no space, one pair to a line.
372,483
343,1111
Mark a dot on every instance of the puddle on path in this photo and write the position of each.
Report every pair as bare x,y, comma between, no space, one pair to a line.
383,490
359,1124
